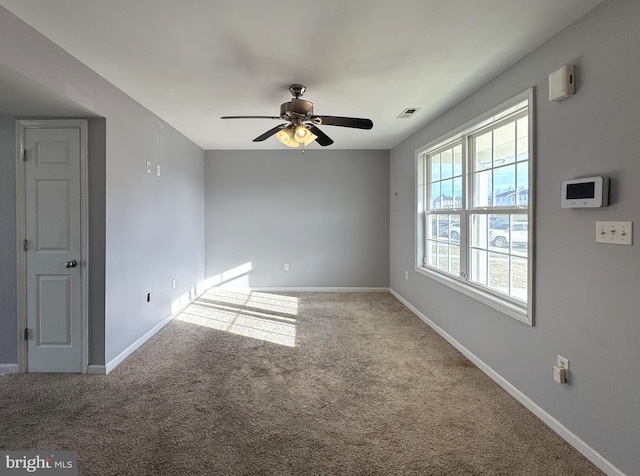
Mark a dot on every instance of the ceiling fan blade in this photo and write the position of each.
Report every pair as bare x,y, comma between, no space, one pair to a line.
322,138
269,133
251,117
355,122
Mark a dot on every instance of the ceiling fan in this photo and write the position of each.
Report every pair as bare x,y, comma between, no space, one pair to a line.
302,124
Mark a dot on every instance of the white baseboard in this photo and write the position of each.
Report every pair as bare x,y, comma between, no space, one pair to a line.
302,289
133,347
8,369
566,434
93,369
105,369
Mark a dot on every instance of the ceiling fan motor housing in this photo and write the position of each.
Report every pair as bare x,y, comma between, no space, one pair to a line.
296,108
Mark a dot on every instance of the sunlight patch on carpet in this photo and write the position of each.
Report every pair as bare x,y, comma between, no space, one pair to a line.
263,316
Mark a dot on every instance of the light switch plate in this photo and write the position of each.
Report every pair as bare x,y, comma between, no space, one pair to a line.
614,232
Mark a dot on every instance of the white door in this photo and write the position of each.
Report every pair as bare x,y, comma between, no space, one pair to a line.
54,264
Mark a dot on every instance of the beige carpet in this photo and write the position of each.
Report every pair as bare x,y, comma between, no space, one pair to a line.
286,384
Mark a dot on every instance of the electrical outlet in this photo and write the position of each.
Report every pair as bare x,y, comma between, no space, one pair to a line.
158,170
563,362
406,275
561,370
173,283
148,167
286,266
559,374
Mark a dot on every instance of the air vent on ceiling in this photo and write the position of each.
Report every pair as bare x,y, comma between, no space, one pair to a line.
408,112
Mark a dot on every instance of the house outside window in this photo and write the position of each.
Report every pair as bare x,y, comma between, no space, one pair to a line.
474,222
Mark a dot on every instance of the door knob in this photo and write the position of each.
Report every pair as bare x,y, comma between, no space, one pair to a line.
70,264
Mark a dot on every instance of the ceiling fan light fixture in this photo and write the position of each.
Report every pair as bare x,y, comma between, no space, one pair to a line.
310,139
303,135
287,137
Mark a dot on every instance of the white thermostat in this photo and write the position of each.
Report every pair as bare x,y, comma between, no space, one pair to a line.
588,192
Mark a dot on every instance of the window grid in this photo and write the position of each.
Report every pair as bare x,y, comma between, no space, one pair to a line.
444,176
488,211
517,161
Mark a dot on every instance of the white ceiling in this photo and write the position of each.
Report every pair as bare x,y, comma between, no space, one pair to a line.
192,61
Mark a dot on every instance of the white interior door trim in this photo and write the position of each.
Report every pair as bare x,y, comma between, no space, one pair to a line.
21,127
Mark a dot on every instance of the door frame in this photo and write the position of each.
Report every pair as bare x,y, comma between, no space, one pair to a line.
21,212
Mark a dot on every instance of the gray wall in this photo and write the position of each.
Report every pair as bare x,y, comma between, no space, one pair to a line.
587,297
145,230
8,303
325,212
155,225
97,202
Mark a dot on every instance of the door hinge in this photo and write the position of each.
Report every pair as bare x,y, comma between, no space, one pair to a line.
24,155
26,333
26,245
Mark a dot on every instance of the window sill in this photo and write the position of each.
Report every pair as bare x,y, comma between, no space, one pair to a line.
520,313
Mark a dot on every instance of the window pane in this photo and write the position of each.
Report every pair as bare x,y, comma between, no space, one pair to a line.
479,231
506,230
454,228
457,192
435,196
523,138
447,228
519,235
443,226
520,250
435,167
500,234
447,163
483,189
483,147
457,160
455,260
447,193
519,278
499,221
443,257
479,266
523,183
504,144
505,186
432,226
499,272
432,257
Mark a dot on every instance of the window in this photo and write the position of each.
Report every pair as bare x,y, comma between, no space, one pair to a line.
474,212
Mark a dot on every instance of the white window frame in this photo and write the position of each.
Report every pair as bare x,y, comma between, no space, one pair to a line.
523,312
